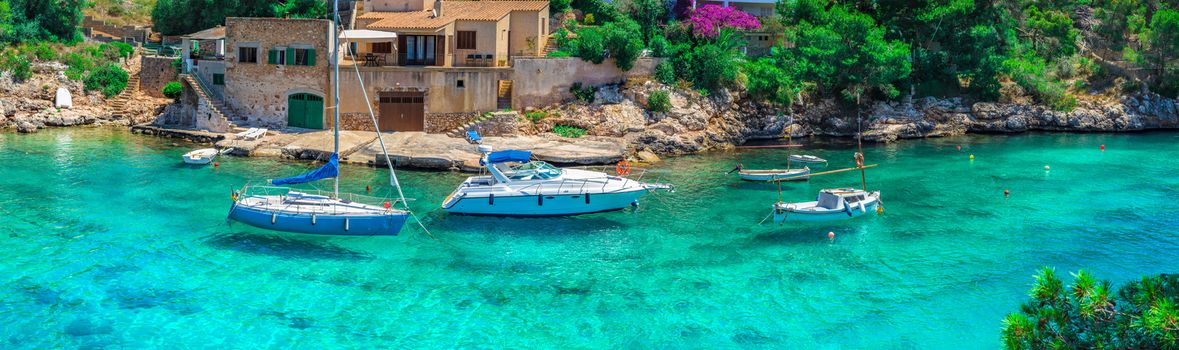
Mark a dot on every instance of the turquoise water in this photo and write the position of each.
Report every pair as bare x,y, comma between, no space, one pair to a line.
110,242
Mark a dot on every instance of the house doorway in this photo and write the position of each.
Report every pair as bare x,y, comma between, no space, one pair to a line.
402,111
305,111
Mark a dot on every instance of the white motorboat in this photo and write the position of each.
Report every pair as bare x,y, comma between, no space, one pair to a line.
831,205
519,186
806,158
200,156
773,174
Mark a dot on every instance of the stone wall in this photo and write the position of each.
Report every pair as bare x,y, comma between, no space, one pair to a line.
443,122
500,124
539,82
258,92
441,84
136,33
155,72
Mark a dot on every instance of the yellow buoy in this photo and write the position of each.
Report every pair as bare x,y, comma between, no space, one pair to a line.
971,157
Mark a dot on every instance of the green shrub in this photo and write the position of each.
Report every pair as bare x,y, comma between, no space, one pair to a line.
659,45
659,101
44,52
1093,314
77,63
536,116
568,131
178,65
110,79
172,90
558,6
665,72
123,50
18,65
585,94
623,42
590,45
589,19
559,53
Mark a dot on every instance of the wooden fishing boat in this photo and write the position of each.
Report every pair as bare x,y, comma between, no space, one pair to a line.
772,174
831,205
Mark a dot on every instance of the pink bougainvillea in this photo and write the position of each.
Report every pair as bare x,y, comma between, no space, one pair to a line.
708,20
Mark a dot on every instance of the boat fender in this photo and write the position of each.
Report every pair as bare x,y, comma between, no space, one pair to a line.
313,218
491,199
635,203
587,198
539,199
847,208
861,205
345,224
273,218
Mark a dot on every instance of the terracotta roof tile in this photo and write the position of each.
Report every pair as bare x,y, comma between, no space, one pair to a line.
485,10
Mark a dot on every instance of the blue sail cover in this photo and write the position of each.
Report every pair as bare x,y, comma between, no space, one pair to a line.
327,171
507,156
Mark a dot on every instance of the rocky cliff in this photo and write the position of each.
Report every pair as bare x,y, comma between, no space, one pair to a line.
697,123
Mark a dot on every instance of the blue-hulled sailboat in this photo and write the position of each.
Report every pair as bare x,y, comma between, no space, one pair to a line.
316,212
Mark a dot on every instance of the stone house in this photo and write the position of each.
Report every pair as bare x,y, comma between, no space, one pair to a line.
454,33
276,71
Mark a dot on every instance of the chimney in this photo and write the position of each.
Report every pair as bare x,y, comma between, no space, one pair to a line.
437,8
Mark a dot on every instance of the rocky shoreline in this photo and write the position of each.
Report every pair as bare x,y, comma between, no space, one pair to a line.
697,123
694,123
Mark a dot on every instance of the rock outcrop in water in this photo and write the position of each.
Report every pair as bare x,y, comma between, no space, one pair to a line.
697,123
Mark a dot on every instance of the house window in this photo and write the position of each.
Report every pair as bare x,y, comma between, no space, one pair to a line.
247,55
276,56
382,47
218,79
466,40
303,57
419,50
459,84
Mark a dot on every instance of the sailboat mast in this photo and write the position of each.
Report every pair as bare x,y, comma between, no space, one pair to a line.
336,87
860,145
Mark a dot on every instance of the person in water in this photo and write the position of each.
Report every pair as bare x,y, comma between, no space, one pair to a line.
736,168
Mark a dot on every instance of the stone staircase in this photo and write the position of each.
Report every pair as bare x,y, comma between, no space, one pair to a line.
119,103
461,132
216,107
503,97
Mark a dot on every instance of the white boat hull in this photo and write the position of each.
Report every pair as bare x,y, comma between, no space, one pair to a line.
200,156
767,175
809,212
540,205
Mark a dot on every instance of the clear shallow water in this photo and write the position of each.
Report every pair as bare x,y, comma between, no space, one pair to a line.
110,242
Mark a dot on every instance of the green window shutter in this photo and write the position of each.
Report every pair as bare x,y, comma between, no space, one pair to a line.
272,56
311,57
290,56
218,79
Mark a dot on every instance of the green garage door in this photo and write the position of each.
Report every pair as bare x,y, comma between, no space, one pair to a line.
305,111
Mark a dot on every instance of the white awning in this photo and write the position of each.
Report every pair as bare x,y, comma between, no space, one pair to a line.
365,36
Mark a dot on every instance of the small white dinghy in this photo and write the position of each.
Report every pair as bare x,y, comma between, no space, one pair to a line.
200,156
773,174
832,204
806,158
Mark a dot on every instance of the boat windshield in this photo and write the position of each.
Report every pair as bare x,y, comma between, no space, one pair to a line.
535,170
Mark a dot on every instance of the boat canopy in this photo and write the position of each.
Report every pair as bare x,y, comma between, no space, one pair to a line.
327,171
507,156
